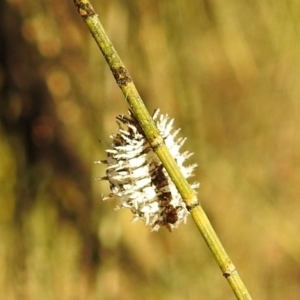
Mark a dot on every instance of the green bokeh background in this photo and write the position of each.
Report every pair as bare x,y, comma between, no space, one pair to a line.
227,71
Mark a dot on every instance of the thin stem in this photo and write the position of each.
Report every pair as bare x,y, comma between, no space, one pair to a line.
150,130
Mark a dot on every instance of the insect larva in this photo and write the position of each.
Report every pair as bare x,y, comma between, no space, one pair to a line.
137,177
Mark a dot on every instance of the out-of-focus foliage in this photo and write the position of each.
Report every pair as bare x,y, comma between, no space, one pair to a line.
228,71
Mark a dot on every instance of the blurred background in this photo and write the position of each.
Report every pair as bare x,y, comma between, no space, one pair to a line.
228,73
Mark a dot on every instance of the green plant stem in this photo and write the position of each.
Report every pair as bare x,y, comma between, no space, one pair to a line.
150,130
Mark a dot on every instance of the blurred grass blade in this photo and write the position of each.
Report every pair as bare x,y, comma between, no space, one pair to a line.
148,126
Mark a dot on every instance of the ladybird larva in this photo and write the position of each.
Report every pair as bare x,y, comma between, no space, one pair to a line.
137,177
